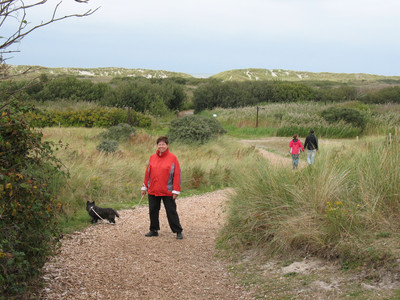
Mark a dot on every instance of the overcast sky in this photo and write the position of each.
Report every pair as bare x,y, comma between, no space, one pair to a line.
210,36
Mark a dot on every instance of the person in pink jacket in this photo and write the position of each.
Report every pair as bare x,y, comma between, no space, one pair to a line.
294,149
162,181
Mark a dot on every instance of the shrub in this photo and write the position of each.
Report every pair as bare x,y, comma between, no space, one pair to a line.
195,129
68,87
386,95
291,92
239,94
94,117
119,132
348,115
108,146
143,95
28,230
357,105
336,94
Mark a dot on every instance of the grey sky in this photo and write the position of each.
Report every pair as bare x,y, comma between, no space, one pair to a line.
207,37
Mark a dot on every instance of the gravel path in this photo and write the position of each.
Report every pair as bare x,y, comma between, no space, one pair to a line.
118,262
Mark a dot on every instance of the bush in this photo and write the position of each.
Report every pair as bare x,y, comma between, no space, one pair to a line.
108,146
336,94
195,129
95,117
120,132
348,115
291,92
145,96
386,95
238,94
28,210
67,87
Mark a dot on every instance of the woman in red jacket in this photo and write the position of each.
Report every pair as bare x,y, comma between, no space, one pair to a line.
295,146
162,180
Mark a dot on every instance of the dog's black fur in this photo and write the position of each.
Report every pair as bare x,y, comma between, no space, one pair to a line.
106,213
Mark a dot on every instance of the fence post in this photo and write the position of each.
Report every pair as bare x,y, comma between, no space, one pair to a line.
257,117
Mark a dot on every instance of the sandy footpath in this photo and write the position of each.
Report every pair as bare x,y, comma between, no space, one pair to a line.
118,262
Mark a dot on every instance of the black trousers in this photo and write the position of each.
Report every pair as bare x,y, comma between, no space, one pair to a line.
170,208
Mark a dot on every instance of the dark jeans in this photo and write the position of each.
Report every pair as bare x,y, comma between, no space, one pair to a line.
170,208
295,161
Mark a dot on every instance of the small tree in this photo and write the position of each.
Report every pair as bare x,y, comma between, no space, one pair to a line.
348,115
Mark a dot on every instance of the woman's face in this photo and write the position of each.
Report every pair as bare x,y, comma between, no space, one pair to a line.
162,147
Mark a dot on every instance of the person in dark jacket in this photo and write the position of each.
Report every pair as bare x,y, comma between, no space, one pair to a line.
162,181
294,149
311,144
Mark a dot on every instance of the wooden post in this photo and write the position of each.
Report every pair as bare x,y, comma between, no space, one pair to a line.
257,117
357,138
390,137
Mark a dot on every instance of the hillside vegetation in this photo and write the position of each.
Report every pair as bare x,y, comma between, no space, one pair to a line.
290,75
251,74
100,74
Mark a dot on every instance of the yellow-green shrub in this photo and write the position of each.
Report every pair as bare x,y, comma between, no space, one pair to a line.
94,117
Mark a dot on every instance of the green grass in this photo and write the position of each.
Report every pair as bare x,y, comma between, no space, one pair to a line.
249,132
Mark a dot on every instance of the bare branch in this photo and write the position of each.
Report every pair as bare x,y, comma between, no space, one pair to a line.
18,10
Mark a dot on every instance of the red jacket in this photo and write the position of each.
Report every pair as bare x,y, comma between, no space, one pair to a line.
295,146
163,175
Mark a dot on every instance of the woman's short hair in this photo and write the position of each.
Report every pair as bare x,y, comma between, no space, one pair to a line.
163,139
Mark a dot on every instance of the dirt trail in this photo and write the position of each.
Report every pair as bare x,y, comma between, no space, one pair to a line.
275,159
118,262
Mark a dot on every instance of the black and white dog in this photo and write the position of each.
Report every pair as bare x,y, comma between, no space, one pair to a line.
101,213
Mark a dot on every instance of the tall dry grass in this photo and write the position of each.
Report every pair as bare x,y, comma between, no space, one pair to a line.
114,180
346,206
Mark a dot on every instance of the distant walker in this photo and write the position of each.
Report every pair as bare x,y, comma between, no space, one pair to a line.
311,144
